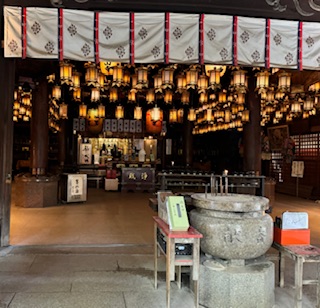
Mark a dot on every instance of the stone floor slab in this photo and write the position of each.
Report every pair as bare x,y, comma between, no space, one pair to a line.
112,281
141,262
28,282
72,263
17,263
69,300
5,299
157,298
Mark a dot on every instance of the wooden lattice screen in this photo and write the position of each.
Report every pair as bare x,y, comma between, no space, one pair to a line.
307,149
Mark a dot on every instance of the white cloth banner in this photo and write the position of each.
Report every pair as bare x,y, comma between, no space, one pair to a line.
42,33
183,38
283,44
12,32
149,37
251,41
217,39
310,45
78,35
114,37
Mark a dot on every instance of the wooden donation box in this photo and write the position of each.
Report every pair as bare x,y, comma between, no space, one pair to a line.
138,179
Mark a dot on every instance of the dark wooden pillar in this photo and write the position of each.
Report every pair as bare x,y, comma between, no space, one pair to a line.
162,151
7,79
187,142
39,129
252,131
62,143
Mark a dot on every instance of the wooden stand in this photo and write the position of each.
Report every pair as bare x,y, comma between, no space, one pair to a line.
192,236
97,179
300,254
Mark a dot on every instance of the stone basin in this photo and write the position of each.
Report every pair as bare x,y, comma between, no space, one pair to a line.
234,226
230,202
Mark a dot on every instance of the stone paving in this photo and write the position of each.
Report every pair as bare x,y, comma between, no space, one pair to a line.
62,276
55,261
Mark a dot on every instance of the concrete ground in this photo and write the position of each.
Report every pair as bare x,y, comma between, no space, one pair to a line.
81,272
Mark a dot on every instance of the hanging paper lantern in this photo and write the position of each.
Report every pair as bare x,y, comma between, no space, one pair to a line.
137,113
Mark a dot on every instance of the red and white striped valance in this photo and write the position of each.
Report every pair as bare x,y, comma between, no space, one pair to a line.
50,33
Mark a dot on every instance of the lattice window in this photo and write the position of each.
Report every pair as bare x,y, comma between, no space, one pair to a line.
307,150
307,145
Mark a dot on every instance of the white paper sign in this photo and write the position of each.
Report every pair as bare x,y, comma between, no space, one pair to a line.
85,154
295,220
297,169
76,185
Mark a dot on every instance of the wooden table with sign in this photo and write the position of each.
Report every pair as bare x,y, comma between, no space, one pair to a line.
300,254
171,240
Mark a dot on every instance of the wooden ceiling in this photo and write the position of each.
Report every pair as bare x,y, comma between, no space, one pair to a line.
35,68
305,78
280,9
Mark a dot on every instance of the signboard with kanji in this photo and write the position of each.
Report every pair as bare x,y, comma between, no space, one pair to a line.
297,169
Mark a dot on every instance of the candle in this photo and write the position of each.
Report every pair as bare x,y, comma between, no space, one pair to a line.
216,187
212,183
226,184
225,172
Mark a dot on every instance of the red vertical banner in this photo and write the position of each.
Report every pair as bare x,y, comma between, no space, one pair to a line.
132,38
235,40
201,39
60,34
267,60
24,33
167,38
96,37
300,34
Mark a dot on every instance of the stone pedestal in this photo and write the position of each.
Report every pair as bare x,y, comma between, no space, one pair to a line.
250,286
36,192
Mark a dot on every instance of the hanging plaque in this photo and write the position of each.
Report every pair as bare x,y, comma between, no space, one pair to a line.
120,125
76,126
114,125
138,126
126,126
132,126
82,125
107,125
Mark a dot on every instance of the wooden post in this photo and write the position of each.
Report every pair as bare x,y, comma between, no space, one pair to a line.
252,131
62,143
7,78
40,129
187,142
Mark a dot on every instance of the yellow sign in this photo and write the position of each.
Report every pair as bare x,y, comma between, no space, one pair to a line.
107,67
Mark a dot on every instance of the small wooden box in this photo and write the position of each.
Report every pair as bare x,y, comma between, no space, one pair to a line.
292,236
111,184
